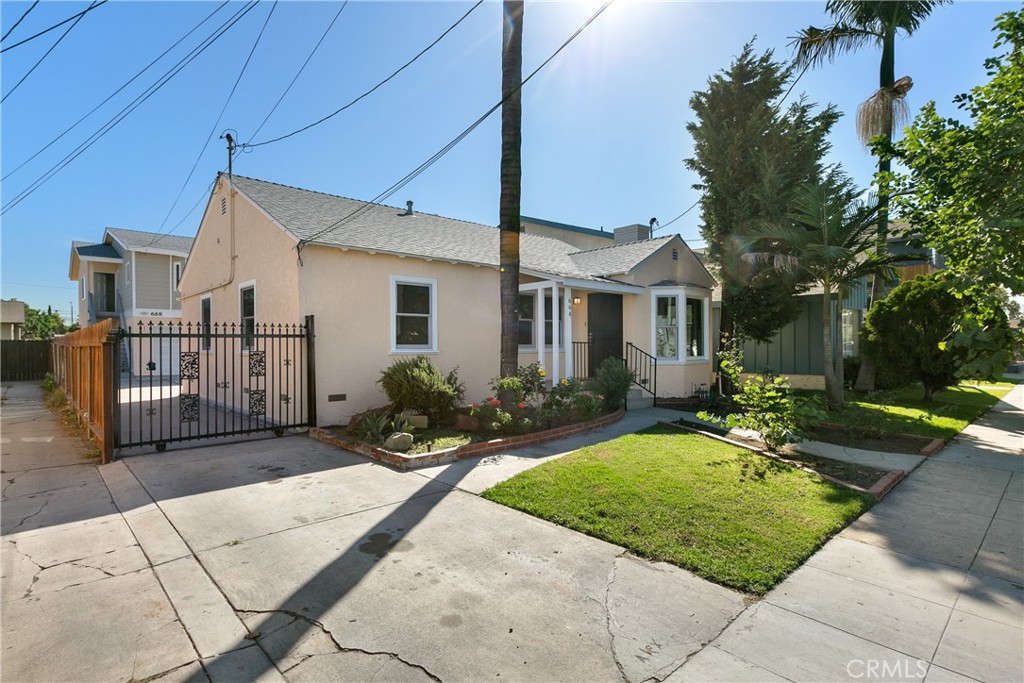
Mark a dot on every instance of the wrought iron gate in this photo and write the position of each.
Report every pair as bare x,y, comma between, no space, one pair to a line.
192,381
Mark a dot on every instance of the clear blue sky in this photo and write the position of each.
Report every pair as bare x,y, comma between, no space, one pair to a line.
604,133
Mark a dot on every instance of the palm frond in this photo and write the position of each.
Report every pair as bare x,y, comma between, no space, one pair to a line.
884,112
815,46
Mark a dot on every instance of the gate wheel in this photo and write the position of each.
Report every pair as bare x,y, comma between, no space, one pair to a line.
161,447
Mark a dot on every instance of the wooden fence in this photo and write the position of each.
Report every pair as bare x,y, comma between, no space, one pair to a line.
24,360
83,363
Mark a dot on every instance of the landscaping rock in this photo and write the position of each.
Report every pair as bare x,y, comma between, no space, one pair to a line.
466,423
398,442
419,421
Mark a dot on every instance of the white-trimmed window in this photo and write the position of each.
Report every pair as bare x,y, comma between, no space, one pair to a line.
413,314
528,317
247,314
175,275
851,332
680,326
206,321
666,327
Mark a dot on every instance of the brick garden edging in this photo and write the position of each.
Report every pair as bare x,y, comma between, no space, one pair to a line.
470,450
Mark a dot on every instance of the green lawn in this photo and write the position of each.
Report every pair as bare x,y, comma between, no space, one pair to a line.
722,512
902,410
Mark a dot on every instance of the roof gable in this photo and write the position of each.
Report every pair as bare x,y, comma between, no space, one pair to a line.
154,242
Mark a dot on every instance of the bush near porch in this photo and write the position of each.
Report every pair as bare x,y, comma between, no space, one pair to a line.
728,515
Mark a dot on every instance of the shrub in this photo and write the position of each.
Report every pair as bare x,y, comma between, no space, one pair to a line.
927,331
417,384
612,381
49,382
494,418
570,401
768,406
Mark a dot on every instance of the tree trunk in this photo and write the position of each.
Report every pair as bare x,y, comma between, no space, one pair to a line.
840,371
886,78
828,369
511,182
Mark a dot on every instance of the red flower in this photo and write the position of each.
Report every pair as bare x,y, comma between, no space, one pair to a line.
522,405
495,402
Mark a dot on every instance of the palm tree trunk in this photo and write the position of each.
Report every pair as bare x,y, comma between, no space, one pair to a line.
840,371
886,79
828,368
511,182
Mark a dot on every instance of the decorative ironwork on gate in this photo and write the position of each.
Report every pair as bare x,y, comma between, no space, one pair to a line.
192,381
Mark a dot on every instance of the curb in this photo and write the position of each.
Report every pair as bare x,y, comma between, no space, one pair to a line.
471,450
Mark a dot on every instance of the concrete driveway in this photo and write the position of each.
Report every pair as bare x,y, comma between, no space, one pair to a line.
290,559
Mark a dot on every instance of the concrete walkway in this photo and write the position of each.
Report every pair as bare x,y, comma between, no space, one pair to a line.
288,559
929,584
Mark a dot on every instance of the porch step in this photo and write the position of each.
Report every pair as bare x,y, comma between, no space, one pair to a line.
638,399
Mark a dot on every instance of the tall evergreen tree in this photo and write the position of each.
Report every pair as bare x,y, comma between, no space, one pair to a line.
751,154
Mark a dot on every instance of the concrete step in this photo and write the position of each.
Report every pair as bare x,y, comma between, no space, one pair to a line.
638,399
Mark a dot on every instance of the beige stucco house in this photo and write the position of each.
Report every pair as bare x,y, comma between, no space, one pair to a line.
384,282
132,277
12,320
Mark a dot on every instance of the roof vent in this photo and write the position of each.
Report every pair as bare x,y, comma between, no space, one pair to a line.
632,233
408,209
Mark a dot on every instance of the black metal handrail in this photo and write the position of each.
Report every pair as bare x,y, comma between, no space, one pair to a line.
644,367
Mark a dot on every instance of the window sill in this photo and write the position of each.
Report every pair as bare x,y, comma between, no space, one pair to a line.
685,361
413,352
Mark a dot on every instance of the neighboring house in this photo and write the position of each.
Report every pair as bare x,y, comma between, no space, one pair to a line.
12,320
797,350
582,238
132,276
385,282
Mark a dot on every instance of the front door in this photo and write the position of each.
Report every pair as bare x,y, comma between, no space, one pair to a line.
604,326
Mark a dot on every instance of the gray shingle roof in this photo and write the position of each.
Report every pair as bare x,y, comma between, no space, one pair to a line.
619,258
96,250
306,213
138,239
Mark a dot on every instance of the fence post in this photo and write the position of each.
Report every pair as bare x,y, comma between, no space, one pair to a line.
107,395
310,371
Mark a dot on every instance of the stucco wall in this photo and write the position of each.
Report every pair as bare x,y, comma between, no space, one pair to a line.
349,292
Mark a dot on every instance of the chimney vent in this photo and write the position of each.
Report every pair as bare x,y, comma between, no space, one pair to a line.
408,209
632,233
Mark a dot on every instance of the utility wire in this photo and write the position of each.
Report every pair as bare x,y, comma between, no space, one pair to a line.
20,19
55,26
400,69
132,106
301,69
451,145
115,93
660,226
46,54
216,123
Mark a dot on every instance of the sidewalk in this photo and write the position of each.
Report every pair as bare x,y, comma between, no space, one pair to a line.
927,584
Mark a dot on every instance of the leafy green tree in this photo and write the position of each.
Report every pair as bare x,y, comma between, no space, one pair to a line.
859,23
43,324
831,235
964,192
914,330
751,154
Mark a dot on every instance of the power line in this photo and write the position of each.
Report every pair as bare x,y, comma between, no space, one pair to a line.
132,106
116,92
46,54
455,141
55,26
301,69
216,123
400,69
660,226
20,19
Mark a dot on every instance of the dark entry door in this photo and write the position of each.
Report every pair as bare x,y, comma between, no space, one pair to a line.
604,326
